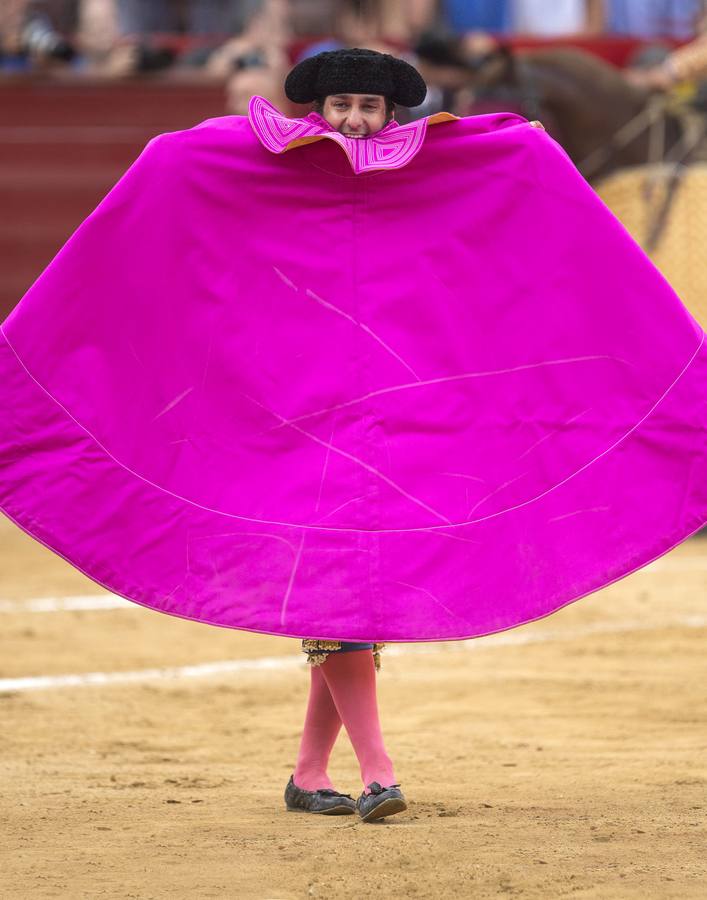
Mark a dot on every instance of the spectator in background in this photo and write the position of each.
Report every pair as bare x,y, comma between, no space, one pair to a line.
559,18
37,32
539,17
140,23
97,31
12,20
198,17
395,23
687,63
255,61
389,24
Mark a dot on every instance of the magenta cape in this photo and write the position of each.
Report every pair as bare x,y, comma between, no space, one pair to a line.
419,387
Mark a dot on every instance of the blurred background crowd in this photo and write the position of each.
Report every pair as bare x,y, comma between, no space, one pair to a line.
250,44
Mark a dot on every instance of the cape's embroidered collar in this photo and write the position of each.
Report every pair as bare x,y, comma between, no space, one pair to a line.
390,148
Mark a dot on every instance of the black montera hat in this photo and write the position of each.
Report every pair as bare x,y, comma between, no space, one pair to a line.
355,71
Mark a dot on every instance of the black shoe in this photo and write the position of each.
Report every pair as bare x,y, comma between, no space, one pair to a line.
325,801
382,801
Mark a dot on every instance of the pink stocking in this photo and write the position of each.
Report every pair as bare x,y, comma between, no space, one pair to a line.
351,677
321,727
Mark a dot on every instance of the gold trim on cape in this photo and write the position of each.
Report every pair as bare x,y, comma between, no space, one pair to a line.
318,650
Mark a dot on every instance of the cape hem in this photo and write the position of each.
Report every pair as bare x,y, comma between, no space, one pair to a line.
58,507
298,636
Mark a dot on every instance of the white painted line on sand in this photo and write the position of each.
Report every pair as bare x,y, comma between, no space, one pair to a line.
279,663
62,604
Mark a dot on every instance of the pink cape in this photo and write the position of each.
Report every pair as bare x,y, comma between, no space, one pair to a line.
423,386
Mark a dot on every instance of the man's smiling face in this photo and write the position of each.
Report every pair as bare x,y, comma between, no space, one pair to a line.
355,115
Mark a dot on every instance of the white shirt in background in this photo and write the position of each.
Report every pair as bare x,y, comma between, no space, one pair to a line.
548,17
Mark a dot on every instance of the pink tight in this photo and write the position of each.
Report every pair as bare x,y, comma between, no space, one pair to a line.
342,689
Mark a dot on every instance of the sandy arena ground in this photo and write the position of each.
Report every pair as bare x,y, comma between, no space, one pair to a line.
562,759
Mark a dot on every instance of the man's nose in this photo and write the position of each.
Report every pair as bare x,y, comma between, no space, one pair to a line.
355,118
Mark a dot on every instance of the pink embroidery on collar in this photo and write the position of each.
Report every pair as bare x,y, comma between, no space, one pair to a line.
390,148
